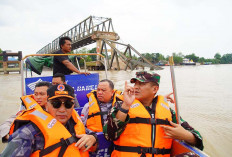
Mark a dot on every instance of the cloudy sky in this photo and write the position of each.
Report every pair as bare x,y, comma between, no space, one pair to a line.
202,27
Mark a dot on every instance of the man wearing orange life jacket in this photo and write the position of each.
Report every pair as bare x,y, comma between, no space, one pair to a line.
100,102
95,111
53,133
38,98
140,125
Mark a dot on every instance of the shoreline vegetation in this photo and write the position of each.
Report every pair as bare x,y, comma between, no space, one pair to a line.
159,59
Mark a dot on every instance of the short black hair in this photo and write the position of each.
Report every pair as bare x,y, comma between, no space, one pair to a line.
43,83
62,76
111,84
62,41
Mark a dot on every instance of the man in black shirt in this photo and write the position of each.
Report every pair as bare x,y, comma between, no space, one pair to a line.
62,64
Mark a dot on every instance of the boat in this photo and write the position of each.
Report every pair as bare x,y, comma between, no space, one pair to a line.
207,63
84,85
186,61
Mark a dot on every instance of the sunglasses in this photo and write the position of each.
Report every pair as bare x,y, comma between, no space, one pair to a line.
57,103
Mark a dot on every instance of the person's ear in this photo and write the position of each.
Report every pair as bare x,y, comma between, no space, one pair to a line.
46,105
112,92
155,89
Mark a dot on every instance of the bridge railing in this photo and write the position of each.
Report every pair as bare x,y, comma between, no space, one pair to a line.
81,31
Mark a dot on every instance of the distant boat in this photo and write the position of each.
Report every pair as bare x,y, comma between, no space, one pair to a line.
187,62
207,63
160,64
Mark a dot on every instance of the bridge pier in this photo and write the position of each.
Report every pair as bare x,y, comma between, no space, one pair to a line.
9,65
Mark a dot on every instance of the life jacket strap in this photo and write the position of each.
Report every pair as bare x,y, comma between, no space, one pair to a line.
149,121
143,150
64,143
97,113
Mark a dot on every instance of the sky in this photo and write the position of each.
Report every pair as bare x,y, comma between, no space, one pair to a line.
202,27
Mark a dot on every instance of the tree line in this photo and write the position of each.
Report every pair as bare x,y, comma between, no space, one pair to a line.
158,57
218,59
177,57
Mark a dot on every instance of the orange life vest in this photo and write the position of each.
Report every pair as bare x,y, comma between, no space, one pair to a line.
55,134
94,121
136,139
29,102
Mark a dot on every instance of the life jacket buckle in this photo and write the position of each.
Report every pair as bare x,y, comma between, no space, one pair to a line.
153,150
153,121
140,150
64,142
68,141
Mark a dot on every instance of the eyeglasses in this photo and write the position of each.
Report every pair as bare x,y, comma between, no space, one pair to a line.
57,103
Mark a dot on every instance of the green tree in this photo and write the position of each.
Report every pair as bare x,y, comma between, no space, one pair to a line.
177,58
226,59
217,58
134,57
82,51
1,58
201,60
93,50
148,56
160,57
192,57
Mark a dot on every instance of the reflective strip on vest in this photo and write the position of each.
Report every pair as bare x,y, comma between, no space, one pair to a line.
32,106
28,100
39,114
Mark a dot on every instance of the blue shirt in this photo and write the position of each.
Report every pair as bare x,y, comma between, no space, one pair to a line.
24,141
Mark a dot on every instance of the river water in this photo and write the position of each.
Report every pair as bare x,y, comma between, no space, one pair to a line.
204,97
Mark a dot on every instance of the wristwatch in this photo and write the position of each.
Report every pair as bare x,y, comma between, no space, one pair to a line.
123,110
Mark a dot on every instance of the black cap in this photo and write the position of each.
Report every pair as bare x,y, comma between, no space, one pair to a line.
60,90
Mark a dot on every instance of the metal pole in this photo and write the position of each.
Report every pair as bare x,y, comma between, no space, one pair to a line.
84,64
105,67
171,62
26,68
78,64
22,78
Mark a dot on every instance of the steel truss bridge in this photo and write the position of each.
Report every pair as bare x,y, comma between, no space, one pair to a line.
100,30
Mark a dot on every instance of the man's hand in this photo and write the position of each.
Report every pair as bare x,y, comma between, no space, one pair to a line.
128,96
170,99
71,67
85,142
179,133
86,73
128,99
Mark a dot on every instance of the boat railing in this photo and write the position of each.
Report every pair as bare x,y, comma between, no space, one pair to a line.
42,55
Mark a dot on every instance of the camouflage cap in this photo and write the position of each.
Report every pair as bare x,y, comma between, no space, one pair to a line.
144,76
